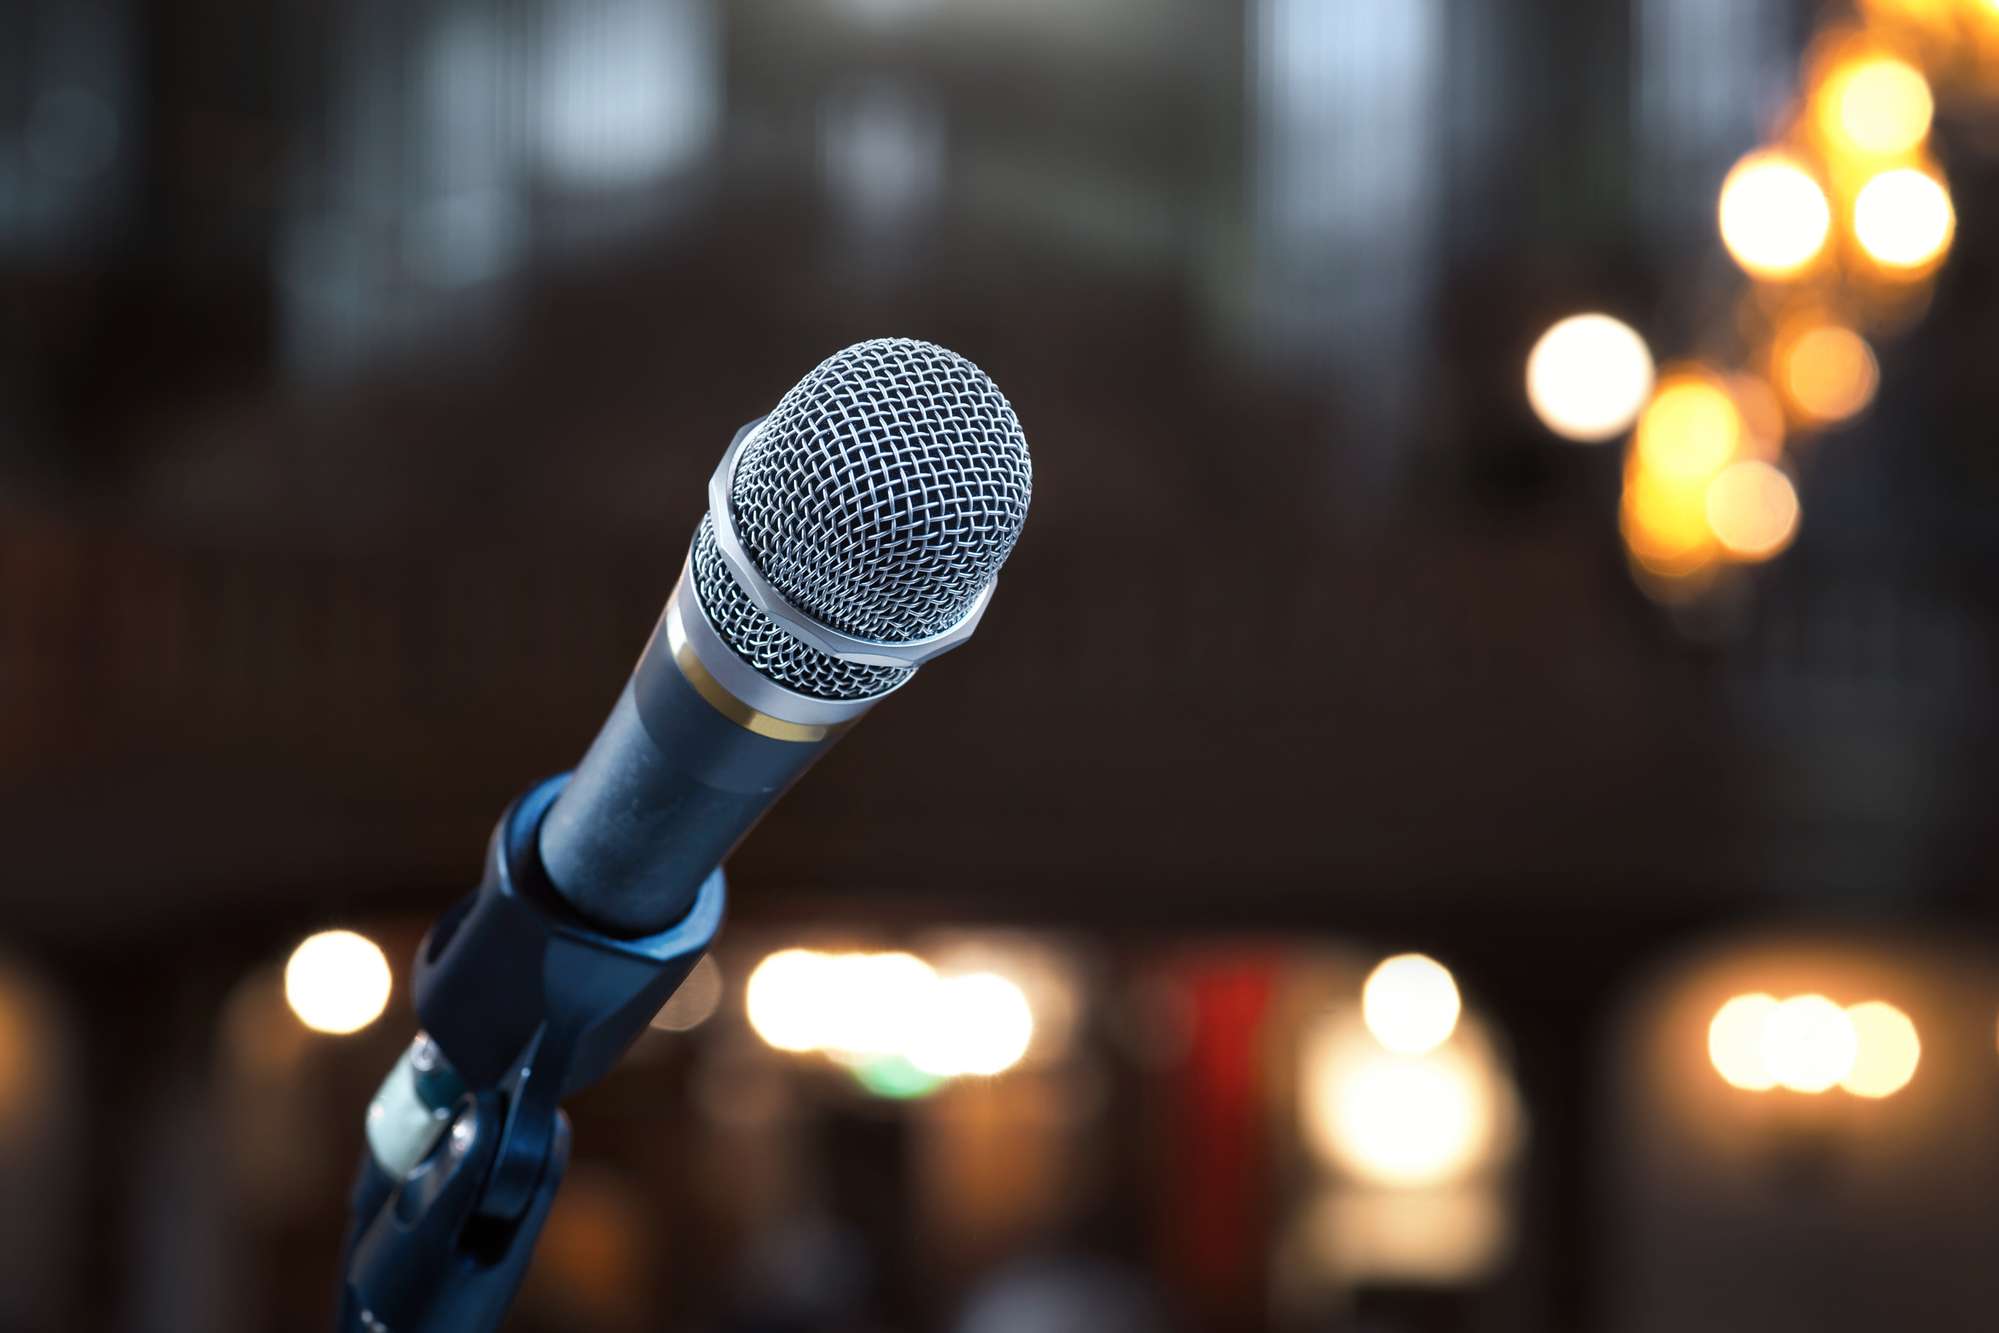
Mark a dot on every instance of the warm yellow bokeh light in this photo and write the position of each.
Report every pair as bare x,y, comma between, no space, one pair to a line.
1588,376
337,982
1408,1122
1809,1044
1827,371
1903,218
978,1024
1690,430
1752,509
784,998
1664,521
1410,1003
1774,215
1402,1121
1735,1042
1889,1050
1878,105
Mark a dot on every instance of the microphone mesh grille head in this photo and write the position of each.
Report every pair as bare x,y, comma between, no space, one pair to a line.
880,497
767,645
885,490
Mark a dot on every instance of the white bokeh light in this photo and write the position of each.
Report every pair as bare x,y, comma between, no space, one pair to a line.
1774,215
1411,1003
870,1003
337,982
1889,1050
783,999
1735,1042
1403,1121
1588,377
1903,218
1809,1044
978,1024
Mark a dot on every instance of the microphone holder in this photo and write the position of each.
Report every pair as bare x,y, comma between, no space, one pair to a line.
522,1002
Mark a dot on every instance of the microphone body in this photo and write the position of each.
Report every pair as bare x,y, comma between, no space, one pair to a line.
698,746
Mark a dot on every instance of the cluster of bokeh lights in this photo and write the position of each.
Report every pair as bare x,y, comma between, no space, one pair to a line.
1402,1099
1838,222
890,1016
1810,1044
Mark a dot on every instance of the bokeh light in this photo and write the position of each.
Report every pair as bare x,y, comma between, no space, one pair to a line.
895,1078
1752,509
1407,1122
976,1024
1735,1042
1588,376
699,996
1903,219
784,996
1809,1044
337,982
1664,521
889,1017
1774,215
1691,429
871,1002
1402,1121
1827,372
1878,105
1410,1003
1888,1050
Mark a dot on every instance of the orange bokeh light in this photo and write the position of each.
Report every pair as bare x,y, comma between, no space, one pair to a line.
1752,509
1825,370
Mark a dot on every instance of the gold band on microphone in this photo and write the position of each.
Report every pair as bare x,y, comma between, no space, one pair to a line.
696,674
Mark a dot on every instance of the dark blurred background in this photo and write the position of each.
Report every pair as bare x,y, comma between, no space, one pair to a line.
362,363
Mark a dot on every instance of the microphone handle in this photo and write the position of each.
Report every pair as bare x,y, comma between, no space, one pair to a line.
683,768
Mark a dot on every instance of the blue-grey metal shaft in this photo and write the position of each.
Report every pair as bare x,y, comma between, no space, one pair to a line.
667,790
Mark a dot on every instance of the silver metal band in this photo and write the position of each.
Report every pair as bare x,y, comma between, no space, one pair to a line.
687,629
868,652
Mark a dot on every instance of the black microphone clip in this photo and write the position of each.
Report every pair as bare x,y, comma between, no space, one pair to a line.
526,1003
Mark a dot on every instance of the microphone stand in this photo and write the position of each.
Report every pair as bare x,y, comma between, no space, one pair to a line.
521,1002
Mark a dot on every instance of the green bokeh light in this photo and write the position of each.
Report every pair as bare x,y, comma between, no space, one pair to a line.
894,1077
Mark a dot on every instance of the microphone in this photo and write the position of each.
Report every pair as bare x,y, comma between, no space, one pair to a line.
852,535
